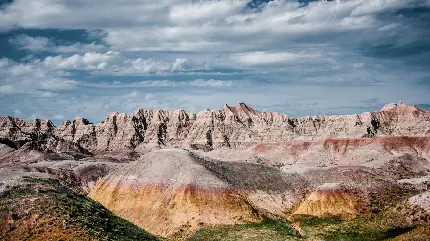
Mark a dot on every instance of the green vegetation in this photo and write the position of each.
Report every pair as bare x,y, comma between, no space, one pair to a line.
67,208
311,228
363,229
265,230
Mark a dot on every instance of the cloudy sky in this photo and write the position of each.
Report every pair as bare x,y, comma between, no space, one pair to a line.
61,58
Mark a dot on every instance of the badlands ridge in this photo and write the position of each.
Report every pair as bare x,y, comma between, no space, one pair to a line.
179,175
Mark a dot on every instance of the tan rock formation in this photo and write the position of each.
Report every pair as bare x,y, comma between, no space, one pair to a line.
238,127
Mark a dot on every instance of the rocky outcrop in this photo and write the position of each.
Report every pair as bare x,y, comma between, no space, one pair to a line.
236,127
20,132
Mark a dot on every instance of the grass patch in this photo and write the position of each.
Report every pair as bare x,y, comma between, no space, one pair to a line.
360,229
267,229
328,229
311,221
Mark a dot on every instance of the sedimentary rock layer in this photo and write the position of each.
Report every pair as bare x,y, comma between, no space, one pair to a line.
237,127
371,152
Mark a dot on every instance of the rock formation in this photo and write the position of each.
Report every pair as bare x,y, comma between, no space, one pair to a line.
236,127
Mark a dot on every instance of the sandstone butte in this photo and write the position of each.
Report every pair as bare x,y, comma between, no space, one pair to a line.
173,172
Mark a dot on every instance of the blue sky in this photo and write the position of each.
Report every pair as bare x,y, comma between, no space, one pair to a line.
60,59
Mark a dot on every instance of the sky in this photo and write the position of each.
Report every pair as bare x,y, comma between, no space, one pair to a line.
60,59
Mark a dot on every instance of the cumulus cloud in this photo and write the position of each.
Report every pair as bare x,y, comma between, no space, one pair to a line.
89,60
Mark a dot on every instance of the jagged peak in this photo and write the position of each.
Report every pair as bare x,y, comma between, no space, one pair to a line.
227,109
43,122
239,108
242,106
180,111
400,106
80,119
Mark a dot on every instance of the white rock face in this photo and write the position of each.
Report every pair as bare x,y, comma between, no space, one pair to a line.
237,127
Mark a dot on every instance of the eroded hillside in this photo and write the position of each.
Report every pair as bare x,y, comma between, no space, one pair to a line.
234,173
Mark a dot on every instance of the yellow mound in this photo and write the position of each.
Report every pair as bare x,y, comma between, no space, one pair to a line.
169,194
169,211
329,202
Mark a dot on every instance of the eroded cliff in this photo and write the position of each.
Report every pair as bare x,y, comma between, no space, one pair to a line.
236,127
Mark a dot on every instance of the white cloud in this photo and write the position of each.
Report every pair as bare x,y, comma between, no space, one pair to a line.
183,64
205,11
95,14
166,25
209,83
4,62
122,66
162,83
131,95
31,43
264,58
278,25
78,48
31,78
89,60
114,63
7,89
38,44
140,65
